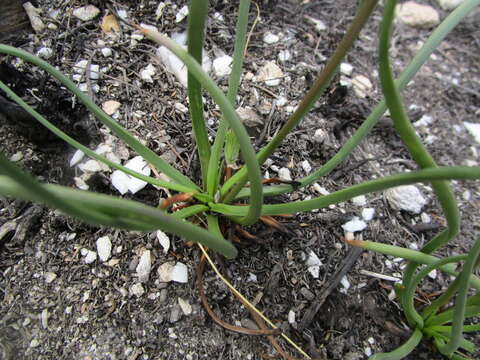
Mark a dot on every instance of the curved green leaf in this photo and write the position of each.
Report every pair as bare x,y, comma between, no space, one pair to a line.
198,10
426,175
123,134
254,174
86,150
124,214
364,11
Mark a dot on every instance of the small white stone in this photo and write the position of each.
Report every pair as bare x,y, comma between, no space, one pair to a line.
371,340
163,240
314,271
252,278
354,225
165,271
346,69
319,136
284,174
270,73
112,262
171,334
406,197
290,109
111,106
361,85
139,165
473,129
417,15
137,290
306,166
368,213
426,219
34,343
274,168
45,53
123,14
345,283
174,65
346,81
144,266
44,318
368,351
470,162
86,13
319,25
90,166
89,256
147,73
424,121
185,306
104,248
313,260
180,107
182,14
360,200
281,101
320,189
221,65
270,38
120,181
95,72
136,36
50,277
76,158
249,117
106,52
82,319
179,273
432,274
449,4
34,16
17,156
430,139
80,66
291,317
218,16
159,11
284,55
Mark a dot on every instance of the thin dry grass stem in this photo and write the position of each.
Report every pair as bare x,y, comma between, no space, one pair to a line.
261,324
248,304
255,22
215,318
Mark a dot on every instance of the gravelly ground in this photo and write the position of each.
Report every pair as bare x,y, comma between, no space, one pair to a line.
88,311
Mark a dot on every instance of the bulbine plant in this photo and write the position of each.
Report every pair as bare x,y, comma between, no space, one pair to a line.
225,196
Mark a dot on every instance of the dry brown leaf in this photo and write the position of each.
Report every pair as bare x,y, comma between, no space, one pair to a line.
110,23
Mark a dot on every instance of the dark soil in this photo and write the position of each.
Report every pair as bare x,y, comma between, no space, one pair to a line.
90,313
